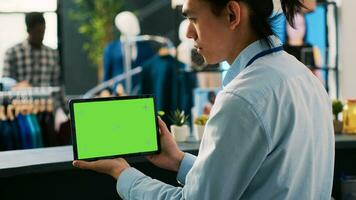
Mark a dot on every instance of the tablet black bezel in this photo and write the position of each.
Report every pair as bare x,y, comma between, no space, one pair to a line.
73,130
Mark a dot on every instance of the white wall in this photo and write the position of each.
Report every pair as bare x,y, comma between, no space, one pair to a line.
347,52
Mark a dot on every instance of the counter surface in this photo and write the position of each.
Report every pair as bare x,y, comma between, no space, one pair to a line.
59,158
20,162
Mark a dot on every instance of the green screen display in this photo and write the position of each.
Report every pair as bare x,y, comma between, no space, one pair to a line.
115,127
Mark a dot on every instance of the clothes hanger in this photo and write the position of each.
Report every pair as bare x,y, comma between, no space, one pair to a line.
2,113
165,51
30,104
16,106
50,106
23,103
36,106
2,110
10,109
120,90
10,112
42,106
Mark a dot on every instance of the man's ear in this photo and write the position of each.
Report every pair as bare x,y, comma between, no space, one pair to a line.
234,14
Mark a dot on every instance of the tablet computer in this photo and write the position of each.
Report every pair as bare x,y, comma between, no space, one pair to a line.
115,126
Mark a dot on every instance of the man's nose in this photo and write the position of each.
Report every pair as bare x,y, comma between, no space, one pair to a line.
191,33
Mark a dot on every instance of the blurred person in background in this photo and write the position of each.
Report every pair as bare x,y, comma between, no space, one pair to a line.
30,62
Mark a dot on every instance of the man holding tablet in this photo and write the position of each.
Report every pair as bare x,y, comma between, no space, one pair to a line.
270,132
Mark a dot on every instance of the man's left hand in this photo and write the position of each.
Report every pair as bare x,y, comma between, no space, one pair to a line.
112,167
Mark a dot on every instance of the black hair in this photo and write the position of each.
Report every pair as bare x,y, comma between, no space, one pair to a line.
33,19
261,13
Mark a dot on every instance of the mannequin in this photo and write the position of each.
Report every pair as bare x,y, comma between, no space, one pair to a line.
127,23
122,55
191,59
186,46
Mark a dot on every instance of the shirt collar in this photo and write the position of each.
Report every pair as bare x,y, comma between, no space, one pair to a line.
26,44
246,55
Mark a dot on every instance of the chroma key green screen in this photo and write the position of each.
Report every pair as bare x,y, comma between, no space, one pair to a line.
115,127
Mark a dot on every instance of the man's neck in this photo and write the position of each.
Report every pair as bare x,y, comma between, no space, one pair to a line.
241,44
34,45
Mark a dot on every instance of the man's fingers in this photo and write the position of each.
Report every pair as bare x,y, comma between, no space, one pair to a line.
82,164
162,126
150,157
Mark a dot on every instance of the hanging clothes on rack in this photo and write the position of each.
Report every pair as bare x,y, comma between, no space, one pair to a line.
6,141
128,51
25,132
46,121
12,124
164,77
20,124
114,59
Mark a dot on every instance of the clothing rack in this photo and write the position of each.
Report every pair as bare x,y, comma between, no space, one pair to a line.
160,39
92,92
128,42
30,92
27,119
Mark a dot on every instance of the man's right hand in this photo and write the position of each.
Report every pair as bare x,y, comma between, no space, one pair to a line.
21,85
171,156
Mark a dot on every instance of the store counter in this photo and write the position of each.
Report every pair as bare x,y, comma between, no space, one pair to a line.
345,141
20,162
48,173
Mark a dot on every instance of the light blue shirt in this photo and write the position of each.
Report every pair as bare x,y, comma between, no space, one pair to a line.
269,136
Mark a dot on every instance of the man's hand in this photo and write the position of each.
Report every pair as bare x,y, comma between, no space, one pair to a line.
171,156
22,85
112,167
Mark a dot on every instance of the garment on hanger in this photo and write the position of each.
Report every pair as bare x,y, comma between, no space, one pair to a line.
33,131
15,132
2,139
114,60
6,140
26,121
163,77
38,131
64,136
25,132
46,121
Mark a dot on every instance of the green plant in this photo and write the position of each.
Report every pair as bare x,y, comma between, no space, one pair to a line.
96,23
337,106
161,113
201,120
178,117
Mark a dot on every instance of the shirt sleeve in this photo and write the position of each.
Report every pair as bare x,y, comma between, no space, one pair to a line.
132,184
185,166
9,67
56,76
233,148
56,80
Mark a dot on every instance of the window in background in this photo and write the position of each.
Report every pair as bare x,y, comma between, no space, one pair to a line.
12,23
